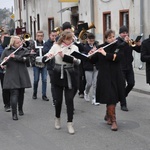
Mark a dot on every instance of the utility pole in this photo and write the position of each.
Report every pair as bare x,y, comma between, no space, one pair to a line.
20,20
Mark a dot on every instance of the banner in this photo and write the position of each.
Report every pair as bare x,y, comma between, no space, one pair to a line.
68,0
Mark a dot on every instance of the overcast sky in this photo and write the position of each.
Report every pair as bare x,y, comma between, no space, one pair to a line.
6,3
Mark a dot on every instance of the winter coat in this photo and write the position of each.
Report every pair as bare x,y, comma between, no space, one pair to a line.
110,81
16,75
145,57
87,65
127,59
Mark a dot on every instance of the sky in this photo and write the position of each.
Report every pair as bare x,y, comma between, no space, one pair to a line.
6,3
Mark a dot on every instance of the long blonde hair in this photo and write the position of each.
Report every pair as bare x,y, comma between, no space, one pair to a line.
12,41
65,35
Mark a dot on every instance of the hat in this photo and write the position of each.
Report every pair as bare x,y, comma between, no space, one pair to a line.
123,29
66,25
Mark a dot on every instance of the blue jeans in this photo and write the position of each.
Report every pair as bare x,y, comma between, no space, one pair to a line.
36,74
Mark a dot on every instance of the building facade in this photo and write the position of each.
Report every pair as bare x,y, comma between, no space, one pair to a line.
105,14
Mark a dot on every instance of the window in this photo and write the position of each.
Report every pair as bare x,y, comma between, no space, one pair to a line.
38,21
106,21
124,18
50,24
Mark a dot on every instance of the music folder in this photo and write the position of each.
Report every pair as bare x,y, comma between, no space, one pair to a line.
81,56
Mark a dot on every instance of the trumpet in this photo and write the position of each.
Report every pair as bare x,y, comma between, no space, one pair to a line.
132,43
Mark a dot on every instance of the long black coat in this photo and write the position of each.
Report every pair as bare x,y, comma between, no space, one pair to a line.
145,57
110,81
16,75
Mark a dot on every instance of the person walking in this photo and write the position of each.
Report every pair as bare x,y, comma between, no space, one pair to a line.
63,77
50,65
38,66
126,62
91,70
110,80
16,78
5,92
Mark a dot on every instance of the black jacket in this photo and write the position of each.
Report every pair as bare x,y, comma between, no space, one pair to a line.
145,57
47,46
126,62
87,65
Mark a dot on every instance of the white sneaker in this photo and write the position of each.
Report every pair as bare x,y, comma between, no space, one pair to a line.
57,123
86,97
70,128
94,102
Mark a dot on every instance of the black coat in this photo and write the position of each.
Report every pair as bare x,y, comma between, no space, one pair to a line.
110,81
16,75
127,59
145,57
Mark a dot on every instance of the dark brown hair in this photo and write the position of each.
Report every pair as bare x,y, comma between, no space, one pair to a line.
108,33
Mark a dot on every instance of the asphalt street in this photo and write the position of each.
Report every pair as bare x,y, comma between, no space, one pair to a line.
35,130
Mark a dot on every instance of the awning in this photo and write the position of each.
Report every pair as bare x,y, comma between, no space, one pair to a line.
64,9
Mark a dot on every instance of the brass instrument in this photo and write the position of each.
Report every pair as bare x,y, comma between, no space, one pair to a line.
1,30
132,43
58,30
83,33
26,36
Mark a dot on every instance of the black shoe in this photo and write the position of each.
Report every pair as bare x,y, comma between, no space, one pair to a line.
34,96
21,113
15,117
124,108
7,108
45,98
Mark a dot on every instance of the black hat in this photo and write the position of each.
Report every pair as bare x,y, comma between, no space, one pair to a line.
123,29
66,25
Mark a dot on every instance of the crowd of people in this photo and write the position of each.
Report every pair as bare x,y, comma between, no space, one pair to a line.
105,76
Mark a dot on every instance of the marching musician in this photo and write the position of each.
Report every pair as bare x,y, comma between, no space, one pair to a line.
47,46
145,57
91,70
63,78
5,92
110,81
38,66
126,63
16,78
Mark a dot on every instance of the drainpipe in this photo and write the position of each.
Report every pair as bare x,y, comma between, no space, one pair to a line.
141,27
20,20
27,21
92,13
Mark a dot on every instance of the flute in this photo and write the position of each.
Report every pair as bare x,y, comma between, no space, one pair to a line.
102,47
58,52
10,55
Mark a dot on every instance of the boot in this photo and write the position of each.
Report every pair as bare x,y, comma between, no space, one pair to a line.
57,123
107,117
14,115
111,112
70,128
21,113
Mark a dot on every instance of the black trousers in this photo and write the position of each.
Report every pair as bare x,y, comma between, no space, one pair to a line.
129,83
69,96
5,92
17,97
50,72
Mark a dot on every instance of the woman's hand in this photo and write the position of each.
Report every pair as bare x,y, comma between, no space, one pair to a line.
92,50
60,53
101,50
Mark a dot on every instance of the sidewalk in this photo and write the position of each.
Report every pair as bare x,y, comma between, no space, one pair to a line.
140,82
